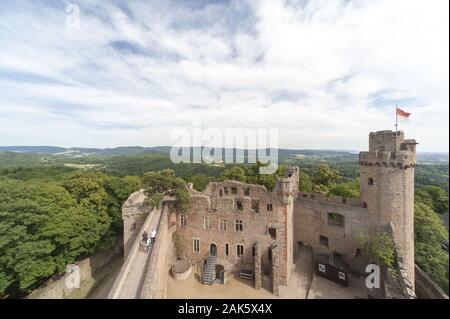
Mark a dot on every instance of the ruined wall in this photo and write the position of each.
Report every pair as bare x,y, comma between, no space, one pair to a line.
276,272
288,190
92,271
399,286
258,275
288,260
311,220
219,202
155,280
426,288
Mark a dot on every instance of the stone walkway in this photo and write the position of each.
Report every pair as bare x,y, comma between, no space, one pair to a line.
132,286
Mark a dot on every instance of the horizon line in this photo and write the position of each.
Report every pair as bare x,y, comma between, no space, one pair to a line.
212,147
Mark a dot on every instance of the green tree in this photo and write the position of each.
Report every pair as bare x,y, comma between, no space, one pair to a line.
42,229
234,173
118,190
87,188
165,183
199,181
429,234
347,190
305,183
325,175
379,246
319,188
269,181
435,197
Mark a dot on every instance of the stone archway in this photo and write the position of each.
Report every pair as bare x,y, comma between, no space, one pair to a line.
213,249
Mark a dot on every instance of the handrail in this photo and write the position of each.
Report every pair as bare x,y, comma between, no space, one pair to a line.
200,263
229,266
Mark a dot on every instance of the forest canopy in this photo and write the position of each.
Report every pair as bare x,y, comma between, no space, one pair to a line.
46,225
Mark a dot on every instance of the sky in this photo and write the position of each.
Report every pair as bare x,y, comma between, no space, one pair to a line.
126,73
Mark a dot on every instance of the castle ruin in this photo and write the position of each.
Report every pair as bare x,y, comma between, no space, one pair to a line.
233,227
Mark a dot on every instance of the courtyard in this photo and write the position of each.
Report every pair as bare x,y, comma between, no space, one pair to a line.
303,284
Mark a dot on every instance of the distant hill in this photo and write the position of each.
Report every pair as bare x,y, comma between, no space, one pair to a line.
33,149
83,151
283,154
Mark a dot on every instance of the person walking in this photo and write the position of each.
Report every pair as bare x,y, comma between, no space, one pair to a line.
144,236
148,244
153,236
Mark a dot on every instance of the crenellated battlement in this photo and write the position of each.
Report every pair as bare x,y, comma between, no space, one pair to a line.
351,202
400,159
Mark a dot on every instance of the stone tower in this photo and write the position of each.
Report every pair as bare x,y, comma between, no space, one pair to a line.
387,189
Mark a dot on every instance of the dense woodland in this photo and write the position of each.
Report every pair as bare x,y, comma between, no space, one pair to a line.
58,209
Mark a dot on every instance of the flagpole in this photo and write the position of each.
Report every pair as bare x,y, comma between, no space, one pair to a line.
396,128
396,120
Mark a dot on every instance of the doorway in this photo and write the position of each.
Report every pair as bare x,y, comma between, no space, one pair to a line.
213,250
220,274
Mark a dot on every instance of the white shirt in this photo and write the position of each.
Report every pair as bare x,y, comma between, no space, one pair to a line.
153,234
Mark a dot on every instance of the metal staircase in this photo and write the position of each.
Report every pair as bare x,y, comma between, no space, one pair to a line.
209,270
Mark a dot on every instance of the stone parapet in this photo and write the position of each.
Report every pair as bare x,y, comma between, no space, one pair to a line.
339,200
399,159
425,287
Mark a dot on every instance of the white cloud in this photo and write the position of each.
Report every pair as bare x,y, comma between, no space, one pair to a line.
323,72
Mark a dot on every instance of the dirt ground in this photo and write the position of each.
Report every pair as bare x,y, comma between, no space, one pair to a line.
303,284
236,287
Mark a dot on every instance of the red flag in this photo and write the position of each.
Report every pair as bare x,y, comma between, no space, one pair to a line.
402,113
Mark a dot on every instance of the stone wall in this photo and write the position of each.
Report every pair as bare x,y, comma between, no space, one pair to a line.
258,275
259,210
92,271
398,285
426,288
134,213
311,220
275,271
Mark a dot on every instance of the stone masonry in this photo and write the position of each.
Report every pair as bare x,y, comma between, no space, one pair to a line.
248,227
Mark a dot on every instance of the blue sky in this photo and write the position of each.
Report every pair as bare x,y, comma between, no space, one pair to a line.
325,73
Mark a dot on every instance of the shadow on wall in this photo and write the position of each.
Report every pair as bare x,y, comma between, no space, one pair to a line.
426,288
95,275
